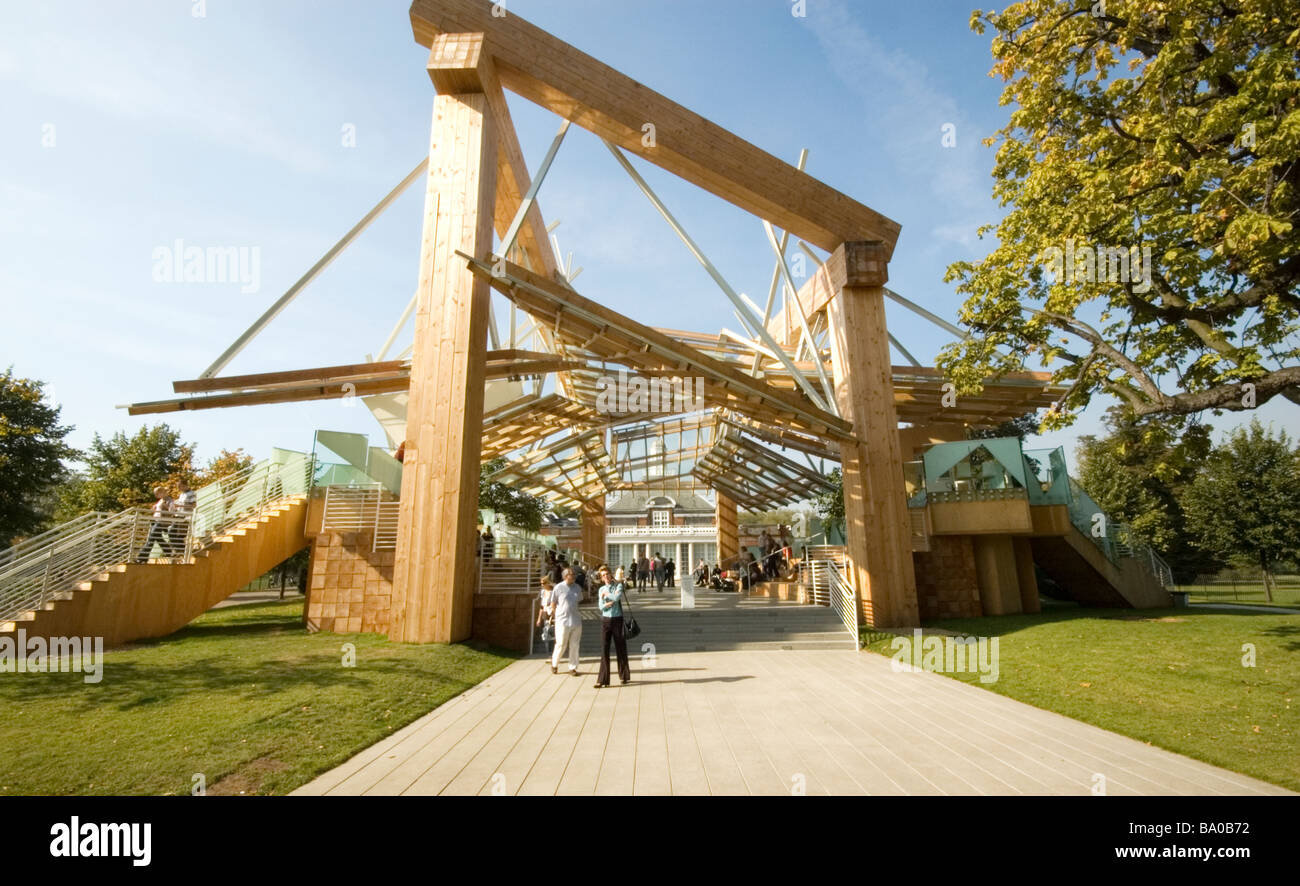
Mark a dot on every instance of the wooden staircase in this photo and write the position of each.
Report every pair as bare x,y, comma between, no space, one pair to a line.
134,601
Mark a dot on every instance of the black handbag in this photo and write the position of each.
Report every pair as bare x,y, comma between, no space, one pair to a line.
631,630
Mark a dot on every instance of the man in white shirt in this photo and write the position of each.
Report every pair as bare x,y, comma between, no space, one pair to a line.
565,600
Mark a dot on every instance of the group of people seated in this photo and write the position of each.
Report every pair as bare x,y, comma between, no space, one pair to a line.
773,562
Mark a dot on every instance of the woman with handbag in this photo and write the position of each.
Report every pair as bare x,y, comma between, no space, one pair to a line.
546,615
612,627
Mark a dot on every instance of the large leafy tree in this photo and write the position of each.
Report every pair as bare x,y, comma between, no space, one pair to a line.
1135,124
122,471
32,451
1245,502
1139,474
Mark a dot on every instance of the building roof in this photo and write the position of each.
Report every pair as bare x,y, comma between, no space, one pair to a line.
638,501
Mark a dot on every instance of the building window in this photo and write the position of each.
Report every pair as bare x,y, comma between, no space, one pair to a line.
660,519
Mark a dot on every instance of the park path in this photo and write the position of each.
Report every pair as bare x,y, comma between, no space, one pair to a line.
759,722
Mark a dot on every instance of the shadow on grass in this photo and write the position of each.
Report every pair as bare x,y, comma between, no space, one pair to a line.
261,654
1289,632
1004,625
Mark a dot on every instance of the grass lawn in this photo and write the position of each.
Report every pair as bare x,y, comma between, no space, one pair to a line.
1171,678
243,695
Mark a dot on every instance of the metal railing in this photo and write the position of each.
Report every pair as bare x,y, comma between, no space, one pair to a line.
365,509
844,600
819,559
51,536
961,496
511,564
52,565
1117,541
657,531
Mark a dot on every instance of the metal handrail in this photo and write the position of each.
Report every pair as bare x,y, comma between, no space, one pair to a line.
362,509
79,551
1120,542
844,601
50,536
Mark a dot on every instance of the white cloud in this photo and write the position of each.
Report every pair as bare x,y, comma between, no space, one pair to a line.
905,107
114,78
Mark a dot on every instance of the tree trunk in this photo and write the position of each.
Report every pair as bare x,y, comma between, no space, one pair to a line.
1268,579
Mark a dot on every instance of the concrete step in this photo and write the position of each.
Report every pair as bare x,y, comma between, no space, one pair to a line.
843,642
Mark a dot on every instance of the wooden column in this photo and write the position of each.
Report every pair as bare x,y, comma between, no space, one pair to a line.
434,578
592,526
1026,577
875,505
728,521
997,571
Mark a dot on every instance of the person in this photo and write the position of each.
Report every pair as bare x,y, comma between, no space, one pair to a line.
162,508
631,574
701,574
580,576
489,543
643,571
551,569
546,615
182,516
670,572
566,599
611,627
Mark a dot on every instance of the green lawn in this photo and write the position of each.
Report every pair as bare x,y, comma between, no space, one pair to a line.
1172,678
243,695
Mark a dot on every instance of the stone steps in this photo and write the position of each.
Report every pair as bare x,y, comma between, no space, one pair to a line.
724,623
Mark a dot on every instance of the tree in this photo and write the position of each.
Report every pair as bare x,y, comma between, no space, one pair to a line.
226,464
122,472
518,509
1020,428
1245,502
760,519
1139,474
31,456
1151,167
830,505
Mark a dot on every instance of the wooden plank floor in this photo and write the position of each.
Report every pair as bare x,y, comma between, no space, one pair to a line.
758,722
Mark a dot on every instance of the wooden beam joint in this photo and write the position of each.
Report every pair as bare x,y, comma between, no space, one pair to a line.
459,64
859,263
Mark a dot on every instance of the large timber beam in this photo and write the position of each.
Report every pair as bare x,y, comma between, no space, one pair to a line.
728,523
546,70
434,577
593,527
875,504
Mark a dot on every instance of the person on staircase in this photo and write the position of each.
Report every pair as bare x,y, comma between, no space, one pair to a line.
182,517
158,526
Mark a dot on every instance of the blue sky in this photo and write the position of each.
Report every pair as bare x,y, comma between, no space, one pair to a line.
134,124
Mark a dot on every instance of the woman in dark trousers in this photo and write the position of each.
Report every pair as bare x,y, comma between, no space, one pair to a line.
611,627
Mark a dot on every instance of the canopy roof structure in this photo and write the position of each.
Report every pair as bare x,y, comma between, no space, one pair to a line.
578,400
